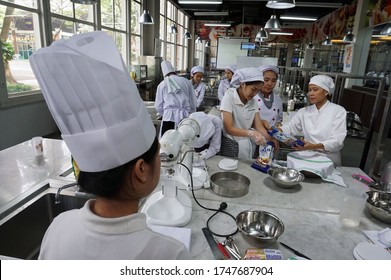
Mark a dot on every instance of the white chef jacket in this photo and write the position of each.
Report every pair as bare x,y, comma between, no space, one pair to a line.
223,87
272,115
199,91
175,105
326,126
81,235
243,117
211,128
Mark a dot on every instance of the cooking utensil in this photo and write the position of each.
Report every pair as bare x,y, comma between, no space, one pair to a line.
260,228
297,253
212,244
285,177
379,205
229,184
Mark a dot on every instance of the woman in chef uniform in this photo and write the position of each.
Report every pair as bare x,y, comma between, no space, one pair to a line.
112,138
323,124
225,84
241,121
175,98
269,103
196,75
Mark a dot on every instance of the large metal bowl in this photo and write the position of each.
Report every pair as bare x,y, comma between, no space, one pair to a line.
285,177
260,228
379,205
229,184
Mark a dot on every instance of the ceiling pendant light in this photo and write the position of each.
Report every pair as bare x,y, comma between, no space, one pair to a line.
173,29
261,35
327,41
145,18
207,44
198,40
349,38
85,2
281,4
273,23
187,35
386,31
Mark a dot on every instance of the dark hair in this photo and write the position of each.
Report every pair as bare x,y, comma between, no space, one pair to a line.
252,83
107,183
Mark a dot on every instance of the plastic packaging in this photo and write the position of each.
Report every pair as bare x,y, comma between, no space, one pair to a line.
265,157
285,138
262,254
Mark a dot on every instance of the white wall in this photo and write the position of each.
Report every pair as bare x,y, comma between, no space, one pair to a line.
21,123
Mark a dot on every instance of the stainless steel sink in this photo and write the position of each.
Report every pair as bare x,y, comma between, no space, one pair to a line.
22,233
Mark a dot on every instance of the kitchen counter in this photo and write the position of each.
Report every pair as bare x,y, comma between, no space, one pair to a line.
309,211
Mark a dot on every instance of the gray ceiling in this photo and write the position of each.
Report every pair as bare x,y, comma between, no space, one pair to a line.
255,12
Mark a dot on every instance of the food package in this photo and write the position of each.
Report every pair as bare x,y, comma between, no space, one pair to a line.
285,138
265,157
262,254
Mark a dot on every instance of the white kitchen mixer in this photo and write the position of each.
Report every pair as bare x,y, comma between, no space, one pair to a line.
171,206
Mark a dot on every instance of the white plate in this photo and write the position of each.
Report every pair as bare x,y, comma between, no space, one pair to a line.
228,164
369,251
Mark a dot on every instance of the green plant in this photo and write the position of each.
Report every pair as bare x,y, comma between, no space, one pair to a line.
8,51
12,88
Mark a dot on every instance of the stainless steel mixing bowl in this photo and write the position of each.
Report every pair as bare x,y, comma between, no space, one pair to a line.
260,228
229,184
285,177
379,205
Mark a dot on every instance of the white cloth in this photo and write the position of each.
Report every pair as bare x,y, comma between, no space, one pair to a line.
326,126
224,85
211,129
243,117
316,163
324,82
243,75
265,68
199,91
82,235
93,100
196,69
175,105
231,68
166,67
275,113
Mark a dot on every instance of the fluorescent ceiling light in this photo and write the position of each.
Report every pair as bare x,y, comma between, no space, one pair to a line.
318,4
281,4
217,24
280,33
211,13
298,18
211,2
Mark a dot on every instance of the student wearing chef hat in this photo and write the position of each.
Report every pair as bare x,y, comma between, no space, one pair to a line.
242,126
109,133
196,75
225,84
323,124
269,103
175,98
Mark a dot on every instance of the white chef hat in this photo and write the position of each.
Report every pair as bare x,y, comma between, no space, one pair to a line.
243,75
167,67
93,100
231,68
324,82
196,69
265,68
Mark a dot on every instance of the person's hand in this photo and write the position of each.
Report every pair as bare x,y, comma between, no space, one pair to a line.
278,125
266,124
307,146
256,137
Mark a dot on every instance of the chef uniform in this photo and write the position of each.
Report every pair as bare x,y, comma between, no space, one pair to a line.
199,89
242,114
209,141
175,98
270,108
225,84
326,126
104,123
